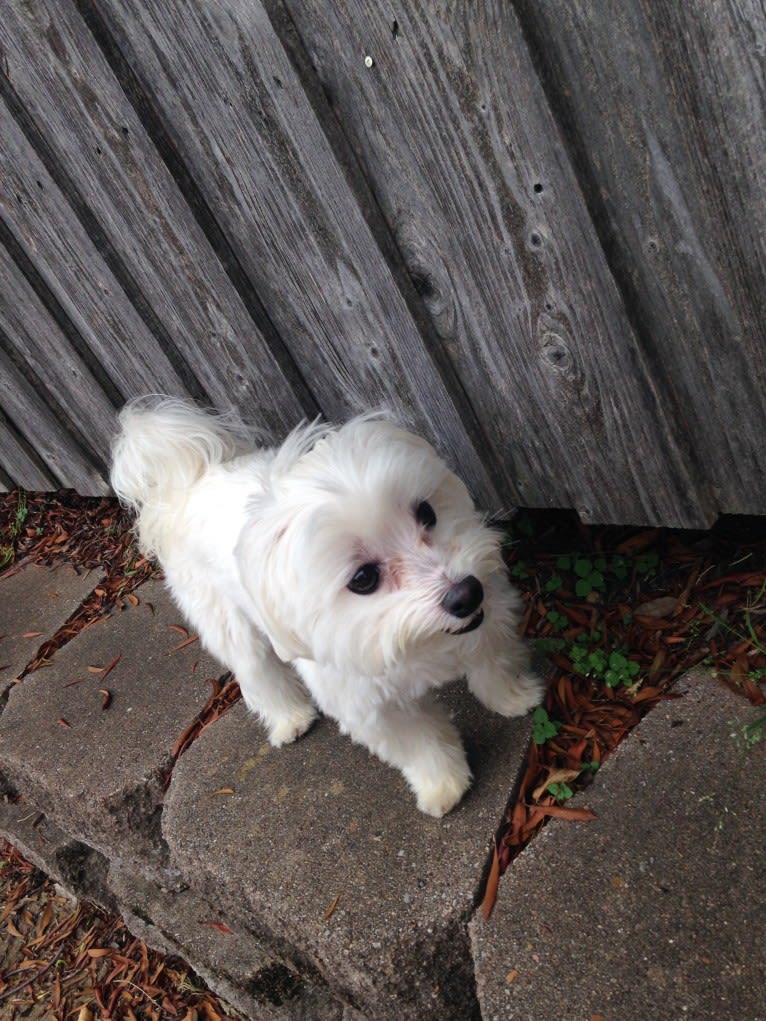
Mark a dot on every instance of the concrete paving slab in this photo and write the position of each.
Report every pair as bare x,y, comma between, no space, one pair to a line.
228,957
657,909
319,850
38,839
94,763
80,870
35,602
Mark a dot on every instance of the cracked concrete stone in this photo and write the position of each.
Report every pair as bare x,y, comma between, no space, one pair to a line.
34,603
228,957
318,850
657,909
80,870
99,773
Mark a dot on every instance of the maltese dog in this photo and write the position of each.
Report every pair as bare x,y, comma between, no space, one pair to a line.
347,564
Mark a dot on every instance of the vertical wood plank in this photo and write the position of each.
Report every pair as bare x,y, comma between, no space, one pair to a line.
663,105
251,139
454,132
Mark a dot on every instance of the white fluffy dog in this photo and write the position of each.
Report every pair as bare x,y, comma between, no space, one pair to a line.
348,563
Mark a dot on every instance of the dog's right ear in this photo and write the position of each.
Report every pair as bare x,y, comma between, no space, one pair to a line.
266,572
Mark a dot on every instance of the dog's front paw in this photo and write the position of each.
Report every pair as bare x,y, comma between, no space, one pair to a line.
438,798
290,728
511,695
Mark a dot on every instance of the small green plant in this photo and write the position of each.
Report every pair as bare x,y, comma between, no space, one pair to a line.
589,662
554,643
589,573
519,571
558,621
613,668
8,549
647,564
550,644
560,791
543,726
619,567
620,670
751,734
554,583
754,732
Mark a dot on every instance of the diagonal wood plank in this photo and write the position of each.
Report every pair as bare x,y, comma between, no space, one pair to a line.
446,114
47,230
251,139
146,239
17,462
35,343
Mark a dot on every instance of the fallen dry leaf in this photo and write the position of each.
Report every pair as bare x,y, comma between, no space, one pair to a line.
182,645
493,881
555,776
331,909
663,606
574,814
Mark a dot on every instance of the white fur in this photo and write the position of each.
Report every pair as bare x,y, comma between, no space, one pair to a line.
259,544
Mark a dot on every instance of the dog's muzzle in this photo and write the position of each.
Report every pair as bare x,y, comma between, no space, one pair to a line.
464,599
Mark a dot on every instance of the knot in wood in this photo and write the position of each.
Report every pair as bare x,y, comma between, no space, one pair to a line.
556,352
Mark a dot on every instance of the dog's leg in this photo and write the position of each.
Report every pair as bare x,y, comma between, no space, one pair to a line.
502,678
500,674
505,685
422,742
269,687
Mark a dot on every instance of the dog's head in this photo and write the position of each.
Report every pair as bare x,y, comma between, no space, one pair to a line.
363,547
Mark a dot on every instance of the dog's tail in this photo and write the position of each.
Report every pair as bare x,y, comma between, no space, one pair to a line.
164,445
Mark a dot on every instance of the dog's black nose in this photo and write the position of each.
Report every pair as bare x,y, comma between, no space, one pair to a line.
464,597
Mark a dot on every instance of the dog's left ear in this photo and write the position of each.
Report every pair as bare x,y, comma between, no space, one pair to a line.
264,570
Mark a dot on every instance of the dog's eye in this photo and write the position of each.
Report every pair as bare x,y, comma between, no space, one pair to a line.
366,580
424,513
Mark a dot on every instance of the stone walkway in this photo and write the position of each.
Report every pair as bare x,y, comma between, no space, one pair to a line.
303,884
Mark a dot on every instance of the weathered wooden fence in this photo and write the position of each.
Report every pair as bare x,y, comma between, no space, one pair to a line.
536,228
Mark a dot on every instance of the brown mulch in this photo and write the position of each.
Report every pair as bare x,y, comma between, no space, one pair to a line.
62,960
619,613
663,600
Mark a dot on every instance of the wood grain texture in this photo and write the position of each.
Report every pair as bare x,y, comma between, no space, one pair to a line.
251,139
195,326
479,214
47,230
36,343
455,134
664,111
19,466
67,460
